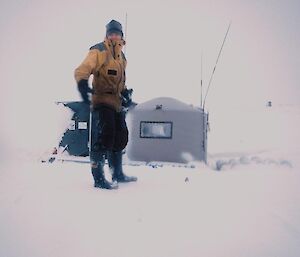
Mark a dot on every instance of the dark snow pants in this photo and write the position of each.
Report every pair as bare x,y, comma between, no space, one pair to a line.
108,132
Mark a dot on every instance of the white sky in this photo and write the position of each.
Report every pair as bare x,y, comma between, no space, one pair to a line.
42,42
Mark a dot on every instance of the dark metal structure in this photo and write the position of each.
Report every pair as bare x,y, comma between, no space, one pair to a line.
76,137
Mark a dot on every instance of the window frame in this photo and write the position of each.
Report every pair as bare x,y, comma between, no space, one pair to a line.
158,137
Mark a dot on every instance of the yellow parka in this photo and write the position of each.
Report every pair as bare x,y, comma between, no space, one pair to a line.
107,63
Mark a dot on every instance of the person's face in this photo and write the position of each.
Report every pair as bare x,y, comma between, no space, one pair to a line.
114,37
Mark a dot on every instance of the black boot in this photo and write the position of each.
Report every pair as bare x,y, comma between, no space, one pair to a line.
115,164
98,174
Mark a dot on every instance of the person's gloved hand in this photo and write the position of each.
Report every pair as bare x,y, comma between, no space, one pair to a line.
126,97
84,89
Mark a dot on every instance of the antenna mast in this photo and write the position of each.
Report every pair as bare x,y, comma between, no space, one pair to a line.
201,81
125,33
212,74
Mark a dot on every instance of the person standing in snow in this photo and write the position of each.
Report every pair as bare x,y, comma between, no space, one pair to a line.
109,134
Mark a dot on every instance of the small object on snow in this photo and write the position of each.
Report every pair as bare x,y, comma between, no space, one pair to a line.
186,179
220,164
158,107
153,165
51,159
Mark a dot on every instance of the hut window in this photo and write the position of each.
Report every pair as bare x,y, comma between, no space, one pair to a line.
82,125
156,129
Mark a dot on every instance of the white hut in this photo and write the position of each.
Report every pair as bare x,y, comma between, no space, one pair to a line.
166,129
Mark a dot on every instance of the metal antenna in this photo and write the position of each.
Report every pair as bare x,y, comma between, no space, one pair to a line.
212,74
201,80
125,34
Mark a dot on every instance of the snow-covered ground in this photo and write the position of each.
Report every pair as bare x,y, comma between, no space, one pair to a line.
245,202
